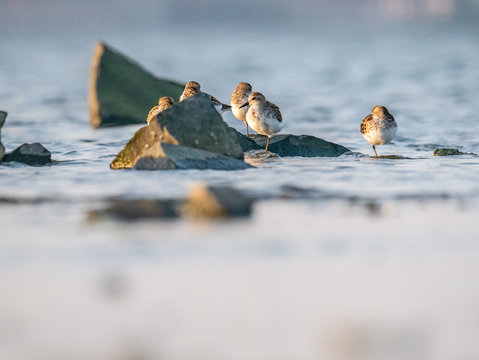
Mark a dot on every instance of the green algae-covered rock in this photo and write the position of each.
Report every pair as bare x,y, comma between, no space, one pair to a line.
121,91
31,154
3,116
193,123
163,156
449,152
302,145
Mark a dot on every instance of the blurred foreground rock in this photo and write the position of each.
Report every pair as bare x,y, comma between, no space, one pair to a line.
449,152
121,91
299,145
3,116
192,123
129,210
216,202
31,154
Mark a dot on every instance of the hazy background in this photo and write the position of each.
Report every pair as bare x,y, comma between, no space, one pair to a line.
81,15
349,258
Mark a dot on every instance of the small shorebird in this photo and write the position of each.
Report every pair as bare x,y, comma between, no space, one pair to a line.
193,88
238,98
163,103
379,127
262,116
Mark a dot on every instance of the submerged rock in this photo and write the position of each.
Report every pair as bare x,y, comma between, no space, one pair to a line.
129,210
193,122
3,116
31,154
163,156
300,145
121,91
449,152
216,202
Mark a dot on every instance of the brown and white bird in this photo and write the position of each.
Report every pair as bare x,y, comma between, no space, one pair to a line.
163,103
238,98
379,127
193,88
262,116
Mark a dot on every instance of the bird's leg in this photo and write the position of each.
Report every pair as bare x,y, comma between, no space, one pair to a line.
247,129
267,143
374,148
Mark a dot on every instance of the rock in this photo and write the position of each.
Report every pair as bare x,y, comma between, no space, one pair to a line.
163,156
193,122
449,152
300,145
121,91
126,209
246,143
31,154
3,116
216,202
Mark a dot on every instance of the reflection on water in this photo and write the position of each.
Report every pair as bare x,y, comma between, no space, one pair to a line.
352,257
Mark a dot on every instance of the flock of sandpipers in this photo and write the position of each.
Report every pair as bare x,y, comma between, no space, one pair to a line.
264,117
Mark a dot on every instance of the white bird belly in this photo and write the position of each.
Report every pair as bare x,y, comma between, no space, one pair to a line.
267,125
381,135
240,113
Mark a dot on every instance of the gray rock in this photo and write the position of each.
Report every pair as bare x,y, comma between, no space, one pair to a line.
135,209
449,152
3,116
31,154
302,145
216,202
121,91
246,143
163,156
193,122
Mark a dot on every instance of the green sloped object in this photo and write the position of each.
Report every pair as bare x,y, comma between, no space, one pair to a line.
121,91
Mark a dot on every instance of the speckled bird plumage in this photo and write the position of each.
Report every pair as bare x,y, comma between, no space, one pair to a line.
379,127
163,103
193,88
238,98
263,116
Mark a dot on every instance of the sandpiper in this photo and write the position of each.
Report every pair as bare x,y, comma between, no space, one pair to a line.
262,116
379,127
193,88
163,103
238,98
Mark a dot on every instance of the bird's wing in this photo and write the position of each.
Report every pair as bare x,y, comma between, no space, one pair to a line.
365,123
152,113
275,110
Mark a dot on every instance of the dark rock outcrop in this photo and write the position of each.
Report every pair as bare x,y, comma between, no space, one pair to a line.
121,91
246,143
300,145
216,202
163,156
449,152
3,116
193,123
31,154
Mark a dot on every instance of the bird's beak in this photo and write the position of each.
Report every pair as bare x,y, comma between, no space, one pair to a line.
242,106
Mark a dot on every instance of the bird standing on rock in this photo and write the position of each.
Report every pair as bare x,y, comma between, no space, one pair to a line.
163,103
379,127
238,98
193,88
262,116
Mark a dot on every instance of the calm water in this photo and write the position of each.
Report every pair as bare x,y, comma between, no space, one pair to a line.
347,258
